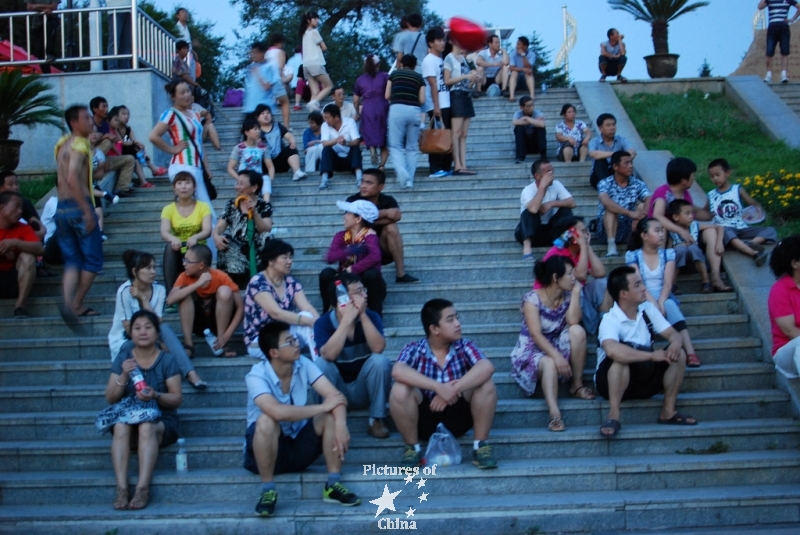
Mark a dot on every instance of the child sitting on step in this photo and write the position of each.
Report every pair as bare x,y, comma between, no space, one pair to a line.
656,265
725,204
682,213
250,154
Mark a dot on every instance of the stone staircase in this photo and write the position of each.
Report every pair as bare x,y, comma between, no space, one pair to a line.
790,94
56,474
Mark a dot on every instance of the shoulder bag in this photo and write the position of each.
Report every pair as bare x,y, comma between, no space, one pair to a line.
434,140
212,191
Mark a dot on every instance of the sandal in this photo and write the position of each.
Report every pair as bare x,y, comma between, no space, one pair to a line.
588,393
161,171
692,360
147,185
678,419
199,385
614,425
123,497
189,350
228,353
706,288
140,499
556,424
721,287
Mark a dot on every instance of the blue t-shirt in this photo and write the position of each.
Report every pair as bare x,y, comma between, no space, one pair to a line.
308,137
356,351
254,92
779,10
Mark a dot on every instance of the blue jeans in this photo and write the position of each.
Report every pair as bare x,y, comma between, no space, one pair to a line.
404,141
81,250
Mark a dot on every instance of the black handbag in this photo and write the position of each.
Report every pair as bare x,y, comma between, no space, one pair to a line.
210,188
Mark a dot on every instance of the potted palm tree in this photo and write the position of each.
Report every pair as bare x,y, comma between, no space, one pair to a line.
24,101
659,13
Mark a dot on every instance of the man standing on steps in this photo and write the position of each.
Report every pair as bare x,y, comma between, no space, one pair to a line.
623,201
530,134
445,379
628,366
778,33
545,204
77,231
385,226
437,97
603,146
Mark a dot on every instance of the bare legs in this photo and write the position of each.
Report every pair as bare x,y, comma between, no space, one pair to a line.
392,241
318,94
26,275
460,128
147,436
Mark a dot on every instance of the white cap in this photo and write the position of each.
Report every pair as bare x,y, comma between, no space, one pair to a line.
365,209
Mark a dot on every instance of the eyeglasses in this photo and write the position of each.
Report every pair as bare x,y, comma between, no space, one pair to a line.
293,341
191,261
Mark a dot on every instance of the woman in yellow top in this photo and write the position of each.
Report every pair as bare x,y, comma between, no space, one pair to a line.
184,223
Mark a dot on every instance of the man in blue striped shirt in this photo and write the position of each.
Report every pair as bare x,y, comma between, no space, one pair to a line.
778,33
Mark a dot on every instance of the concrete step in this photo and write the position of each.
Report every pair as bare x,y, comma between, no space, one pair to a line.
513,412
508,444
525,511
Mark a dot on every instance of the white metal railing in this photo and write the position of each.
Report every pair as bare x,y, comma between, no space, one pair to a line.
75,37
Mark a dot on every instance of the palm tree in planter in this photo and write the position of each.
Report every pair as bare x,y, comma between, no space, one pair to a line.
659,13
24,101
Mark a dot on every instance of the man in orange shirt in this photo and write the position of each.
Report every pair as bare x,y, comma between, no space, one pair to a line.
213,292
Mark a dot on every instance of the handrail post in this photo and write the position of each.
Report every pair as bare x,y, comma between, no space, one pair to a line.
135,34
94,36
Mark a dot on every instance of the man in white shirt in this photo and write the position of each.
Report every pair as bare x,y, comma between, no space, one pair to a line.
437,97
545,204
346,109
341,145
492,65
628,366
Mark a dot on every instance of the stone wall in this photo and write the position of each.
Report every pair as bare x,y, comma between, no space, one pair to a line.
754,61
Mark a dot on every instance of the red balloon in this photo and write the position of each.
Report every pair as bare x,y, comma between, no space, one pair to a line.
469,35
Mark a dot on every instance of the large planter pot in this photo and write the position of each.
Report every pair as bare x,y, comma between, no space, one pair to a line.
9,154
662,65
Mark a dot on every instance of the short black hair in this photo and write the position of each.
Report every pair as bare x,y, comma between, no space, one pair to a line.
6,197
379,175
269,337
261,46
565,108
248,124
172,86
180,45
491,38
543,270
676,205
136,260
71,114
415,20
433,34
618,281
276,38
524,100
537,165
617,157
603,117
275,248
409,61
4,175
720,162
568,223
780,262
679,169
202,252
261,108
316,117
610,32
524,40
95,103
332,110
338,87
431,313
255,179
346,279
151,316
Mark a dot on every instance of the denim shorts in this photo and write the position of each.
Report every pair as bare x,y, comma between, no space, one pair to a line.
80,249
778,33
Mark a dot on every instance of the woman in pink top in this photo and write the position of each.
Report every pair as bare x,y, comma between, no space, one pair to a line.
784,306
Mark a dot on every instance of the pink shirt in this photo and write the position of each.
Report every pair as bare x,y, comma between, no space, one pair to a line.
555,251
663,192
784,300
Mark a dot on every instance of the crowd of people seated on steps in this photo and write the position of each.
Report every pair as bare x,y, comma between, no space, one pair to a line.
340,351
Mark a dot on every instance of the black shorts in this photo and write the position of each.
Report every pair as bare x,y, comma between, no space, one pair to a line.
778,33
205,316
646,379
294,454
9,284
281,161
489,81
456,418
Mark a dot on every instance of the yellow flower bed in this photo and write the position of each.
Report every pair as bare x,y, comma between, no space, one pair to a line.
779,194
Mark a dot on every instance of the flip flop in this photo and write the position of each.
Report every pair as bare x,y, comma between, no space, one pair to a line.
161,171
588,393
229,353
89,312
678,419
556,425
614,425
190,349
199,385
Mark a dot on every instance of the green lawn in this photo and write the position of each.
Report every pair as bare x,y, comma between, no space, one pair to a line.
707,128
36,189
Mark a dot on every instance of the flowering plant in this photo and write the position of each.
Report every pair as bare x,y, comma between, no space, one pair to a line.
778,194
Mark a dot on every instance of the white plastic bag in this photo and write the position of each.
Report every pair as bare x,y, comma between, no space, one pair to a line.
443,448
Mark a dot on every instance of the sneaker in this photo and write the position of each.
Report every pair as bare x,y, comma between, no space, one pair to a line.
519,161
411,457
784,77
113,199
20,312
313,106
299,175
340,494
406,279
768,77
378,429
438,174
760,258
482,457
358,183
323,185
297,107
266,504
104,237
408,185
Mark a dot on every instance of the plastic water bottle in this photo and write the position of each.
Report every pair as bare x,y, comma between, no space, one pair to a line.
138,379
342,297
211,340
564,239
181,462
544,87
140,156
279,231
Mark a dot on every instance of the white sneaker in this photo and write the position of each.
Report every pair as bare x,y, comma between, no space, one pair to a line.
313,105
324,184
768,77
784,78
299,175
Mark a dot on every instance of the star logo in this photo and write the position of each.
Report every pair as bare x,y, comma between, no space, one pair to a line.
408,479
410,512
420,483
386,501
422,498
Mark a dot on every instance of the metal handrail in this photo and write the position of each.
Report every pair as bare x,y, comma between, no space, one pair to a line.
151,45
